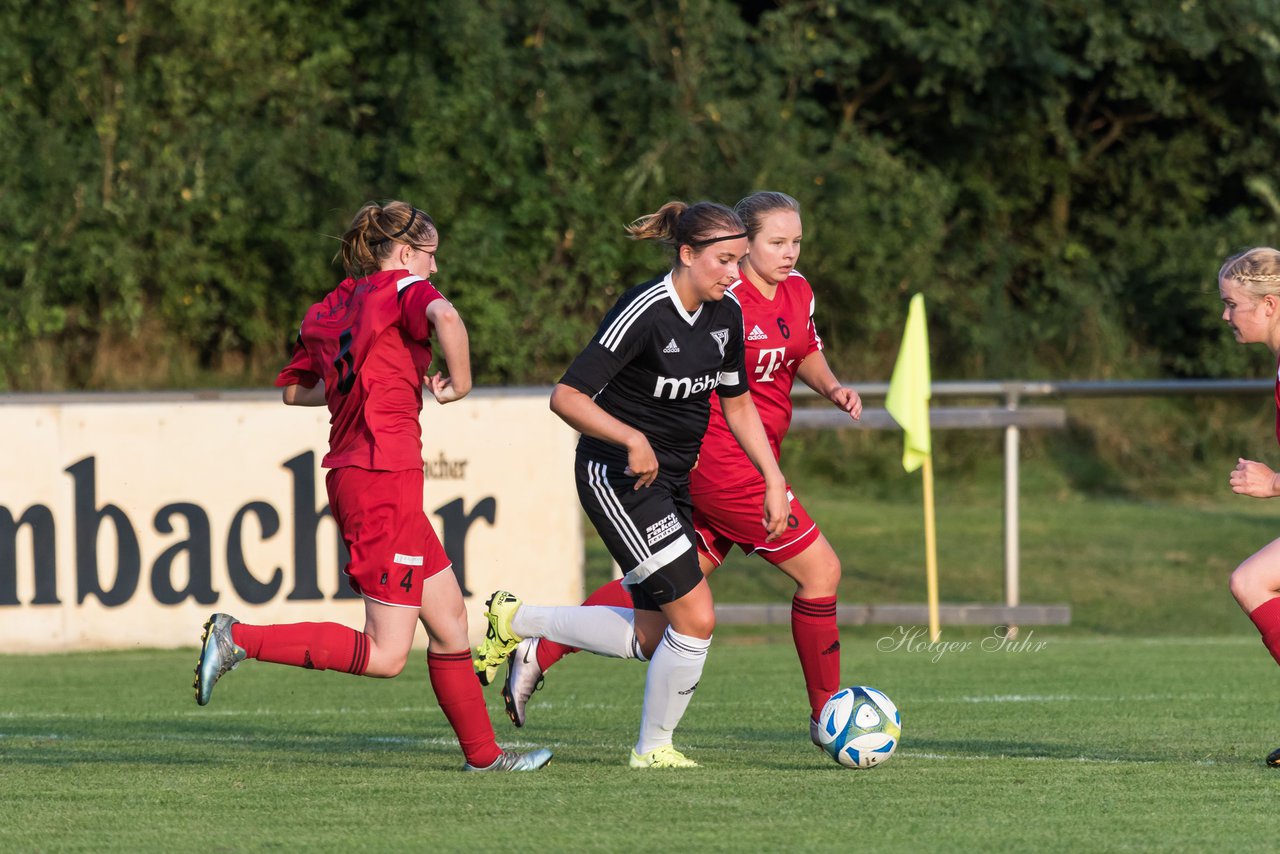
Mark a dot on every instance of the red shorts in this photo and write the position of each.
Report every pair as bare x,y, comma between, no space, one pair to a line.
736,517
393,546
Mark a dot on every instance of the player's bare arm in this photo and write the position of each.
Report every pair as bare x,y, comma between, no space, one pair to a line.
582,414
744,422
455,348
817,375
300,395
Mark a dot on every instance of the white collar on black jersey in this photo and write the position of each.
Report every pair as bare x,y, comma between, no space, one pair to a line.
675,300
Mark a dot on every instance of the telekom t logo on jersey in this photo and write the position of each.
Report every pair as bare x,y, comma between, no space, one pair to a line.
768,361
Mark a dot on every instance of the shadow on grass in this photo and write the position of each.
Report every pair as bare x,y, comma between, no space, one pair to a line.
962,749
187,742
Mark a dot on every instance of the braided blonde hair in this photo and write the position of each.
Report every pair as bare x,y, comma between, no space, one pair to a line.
1256,270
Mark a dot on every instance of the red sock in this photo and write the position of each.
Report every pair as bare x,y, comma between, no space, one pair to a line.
454,680
1267,618
315,646
817,639
613,593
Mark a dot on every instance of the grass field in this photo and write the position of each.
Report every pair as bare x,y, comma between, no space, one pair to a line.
1142,726
1069,743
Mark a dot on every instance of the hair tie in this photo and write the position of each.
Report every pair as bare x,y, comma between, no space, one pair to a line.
408,225
710,240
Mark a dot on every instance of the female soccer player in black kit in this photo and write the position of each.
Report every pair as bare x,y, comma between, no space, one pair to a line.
640,396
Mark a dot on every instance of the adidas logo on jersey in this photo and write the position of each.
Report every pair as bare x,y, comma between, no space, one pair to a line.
672,347
757,334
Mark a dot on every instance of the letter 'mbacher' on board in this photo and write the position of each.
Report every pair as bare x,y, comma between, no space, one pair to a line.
190,560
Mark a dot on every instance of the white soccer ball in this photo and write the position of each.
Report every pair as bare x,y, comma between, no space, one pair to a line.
859,727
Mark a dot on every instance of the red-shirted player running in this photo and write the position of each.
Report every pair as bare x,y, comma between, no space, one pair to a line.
364,352
781,344
1249,284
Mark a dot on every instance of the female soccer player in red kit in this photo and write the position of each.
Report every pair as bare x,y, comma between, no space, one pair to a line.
364,351
781,344
1249,284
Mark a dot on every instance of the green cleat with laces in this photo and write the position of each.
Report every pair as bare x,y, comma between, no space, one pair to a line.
662,757
499,639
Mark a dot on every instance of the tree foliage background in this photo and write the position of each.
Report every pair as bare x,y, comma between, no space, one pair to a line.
1061,180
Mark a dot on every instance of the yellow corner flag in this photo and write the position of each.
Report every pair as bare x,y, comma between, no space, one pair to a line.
908,403
909,389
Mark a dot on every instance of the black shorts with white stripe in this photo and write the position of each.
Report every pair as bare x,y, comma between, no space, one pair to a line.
648,531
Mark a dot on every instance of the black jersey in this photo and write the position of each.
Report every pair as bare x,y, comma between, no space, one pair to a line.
653,365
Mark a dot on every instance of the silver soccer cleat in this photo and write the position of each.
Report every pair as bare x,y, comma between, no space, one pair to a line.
510,760
524,676
218,654
813,734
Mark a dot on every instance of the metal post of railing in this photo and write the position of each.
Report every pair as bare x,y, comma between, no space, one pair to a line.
1011,443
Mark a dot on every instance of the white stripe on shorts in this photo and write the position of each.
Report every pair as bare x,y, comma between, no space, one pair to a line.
657,561
598,481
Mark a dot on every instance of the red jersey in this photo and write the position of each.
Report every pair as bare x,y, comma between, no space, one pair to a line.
368,341
778,333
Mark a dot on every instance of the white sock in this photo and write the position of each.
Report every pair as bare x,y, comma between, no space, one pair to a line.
601,629
674,672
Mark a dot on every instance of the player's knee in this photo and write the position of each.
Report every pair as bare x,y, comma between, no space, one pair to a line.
829,572
385,666
820,578
1242,585
699,625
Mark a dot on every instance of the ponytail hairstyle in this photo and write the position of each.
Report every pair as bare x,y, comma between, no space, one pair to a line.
755,207
1256,270
376,229
677,224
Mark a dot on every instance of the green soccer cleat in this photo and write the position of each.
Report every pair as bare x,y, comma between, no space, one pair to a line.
218,654
1273,760
512,761
524,676
662,757
499,639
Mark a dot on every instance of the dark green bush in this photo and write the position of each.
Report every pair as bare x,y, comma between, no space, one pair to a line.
1061,180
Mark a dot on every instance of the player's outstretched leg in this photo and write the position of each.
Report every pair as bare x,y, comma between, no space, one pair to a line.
218,654
499,639
524,676
528,665
510,760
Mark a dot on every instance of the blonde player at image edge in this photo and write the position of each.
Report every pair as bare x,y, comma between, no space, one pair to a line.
1249,284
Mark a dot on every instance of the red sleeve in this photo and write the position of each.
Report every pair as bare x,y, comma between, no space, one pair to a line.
299,370
415,294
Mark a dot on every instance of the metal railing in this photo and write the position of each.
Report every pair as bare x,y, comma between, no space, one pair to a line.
1012,417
